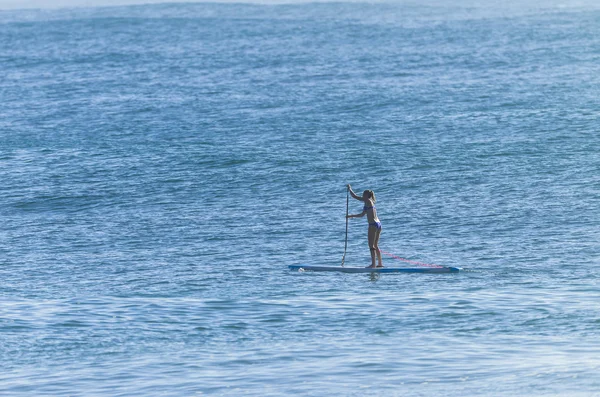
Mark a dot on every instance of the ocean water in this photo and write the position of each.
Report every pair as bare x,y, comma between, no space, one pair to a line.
162,165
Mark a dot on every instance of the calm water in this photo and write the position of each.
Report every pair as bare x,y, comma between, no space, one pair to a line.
161,165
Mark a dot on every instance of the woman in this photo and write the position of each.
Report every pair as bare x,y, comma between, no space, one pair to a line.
369,210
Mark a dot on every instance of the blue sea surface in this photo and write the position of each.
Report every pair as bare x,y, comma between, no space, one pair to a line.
162,165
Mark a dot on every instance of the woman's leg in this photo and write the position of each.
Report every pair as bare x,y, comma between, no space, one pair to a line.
376,246
372,234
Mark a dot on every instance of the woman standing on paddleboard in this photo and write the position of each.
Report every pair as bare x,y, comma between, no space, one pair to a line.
369,210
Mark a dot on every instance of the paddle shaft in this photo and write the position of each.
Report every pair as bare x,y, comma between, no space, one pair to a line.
346,241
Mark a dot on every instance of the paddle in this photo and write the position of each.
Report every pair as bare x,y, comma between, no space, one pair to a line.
346,242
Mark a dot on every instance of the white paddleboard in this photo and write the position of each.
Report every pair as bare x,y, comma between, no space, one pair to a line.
375,269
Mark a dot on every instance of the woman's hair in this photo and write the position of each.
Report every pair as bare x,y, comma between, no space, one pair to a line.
372,195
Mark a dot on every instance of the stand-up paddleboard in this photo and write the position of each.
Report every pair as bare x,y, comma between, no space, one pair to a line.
375,269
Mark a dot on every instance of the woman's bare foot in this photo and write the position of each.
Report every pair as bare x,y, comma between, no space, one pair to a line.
371,267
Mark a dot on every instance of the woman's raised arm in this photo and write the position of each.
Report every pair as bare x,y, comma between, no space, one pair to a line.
354,196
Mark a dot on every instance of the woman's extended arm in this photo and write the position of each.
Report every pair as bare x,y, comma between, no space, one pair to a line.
354,196
358,215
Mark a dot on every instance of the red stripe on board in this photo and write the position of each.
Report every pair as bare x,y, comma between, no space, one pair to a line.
409,261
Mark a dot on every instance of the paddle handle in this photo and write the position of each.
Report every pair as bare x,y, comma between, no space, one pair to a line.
346,240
